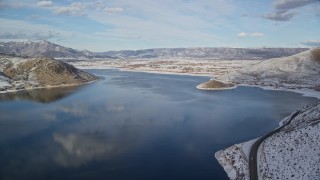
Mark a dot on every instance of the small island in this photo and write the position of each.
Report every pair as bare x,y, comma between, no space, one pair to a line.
215,85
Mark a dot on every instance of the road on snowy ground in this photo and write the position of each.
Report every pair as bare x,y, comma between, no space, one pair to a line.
253,169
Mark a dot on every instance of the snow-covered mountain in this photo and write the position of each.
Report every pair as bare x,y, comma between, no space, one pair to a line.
45,48
209,53
298,71
39,49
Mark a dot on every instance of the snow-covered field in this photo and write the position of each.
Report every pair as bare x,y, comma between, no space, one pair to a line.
176,66
293,153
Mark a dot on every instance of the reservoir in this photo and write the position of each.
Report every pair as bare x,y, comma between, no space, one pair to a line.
132,125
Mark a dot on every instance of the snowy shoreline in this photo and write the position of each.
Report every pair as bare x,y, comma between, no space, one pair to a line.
237,153
215,89
144,71
304,92
46,87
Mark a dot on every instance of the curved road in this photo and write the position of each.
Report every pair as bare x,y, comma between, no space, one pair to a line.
253,169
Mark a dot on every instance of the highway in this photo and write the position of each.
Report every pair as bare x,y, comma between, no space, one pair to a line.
253,169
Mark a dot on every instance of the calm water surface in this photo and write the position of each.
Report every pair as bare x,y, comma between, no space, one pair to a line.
132,126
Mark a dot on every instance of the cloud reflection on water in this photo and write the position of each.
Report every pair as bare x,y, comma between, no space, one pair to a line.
84,148
133,127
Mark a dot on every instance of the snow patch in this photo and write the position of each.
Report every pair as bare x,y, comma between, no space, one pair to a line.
4,81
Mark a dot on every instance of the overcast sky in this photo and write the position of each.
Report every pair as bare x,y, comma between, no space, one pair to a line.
99,25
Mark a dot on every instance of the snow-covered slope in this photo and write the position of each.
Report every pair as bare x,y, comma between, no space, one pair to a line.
297,71
4,81
18,73
293,153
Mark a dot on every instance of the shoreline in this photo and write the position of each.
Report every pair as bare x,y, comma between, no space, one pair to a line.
218,85
144,71
215,89
164,72
46,87
304,92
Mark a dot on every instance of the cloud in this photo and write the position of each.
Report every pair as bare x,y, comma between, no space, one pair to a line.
317,10
113,10
83,147
85,8
115,108
312,43
242,34
152,21
255,34
283,9
19,29
4,5
77,9
34,16
291,4
45,4
279,16
33,36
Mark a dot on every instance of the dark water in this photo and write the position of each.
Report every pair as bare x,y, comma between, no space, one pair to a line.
132,126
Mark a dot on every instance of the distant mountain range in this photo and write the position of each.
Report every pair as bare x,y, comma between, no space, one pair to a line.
46,48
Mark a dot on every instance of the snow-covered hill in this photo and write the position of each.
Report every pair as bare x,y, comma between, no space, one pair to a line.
297,71
293,153
17,73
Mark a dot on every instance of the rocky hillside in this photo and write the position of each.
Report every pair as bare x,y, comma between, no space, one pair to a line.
293,153
27,73
298,71
45,48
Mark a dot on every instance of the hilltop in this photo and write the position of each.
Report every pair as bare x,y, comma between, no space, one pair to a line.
17,73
